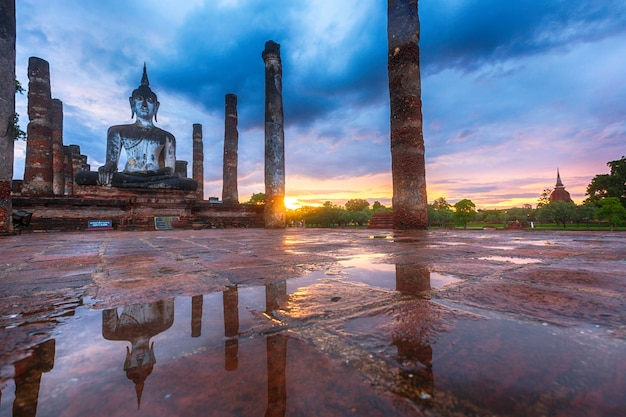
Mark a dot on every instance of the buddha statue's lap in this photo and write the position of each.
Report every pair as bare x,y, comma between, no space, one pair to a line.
150,151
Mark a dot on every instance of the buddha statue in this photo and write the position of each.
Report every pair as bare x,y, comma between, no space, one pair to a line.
150,151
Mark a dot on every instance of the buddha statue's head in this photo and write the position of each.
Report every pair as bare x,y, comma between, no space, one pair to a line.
143,101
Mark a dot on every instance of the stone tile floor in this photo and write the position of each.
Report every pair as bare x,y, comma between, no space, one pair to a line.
313,322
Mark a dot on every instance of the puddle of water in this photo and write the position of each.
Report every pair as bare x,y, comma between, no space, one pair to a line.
500,247
227,353
409,278
513,260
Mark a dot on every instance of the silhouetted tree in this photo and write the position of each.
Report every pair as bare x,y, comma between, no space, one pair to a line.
357,204
612,211
609,185
464,212
256,198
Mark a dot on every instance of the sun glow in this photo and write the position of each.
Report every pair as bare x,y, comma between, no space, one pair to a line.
292,203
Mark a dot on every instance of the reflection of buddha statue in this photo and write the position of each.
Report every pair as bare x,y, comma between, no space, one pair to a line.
150,151
137,324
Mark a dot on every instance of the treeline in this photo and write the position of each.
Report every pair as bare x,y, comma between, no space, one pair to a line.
356,212
606,203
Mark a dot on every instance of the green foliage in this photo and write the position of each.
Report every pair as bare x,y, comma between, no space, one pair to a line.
257,199
357,204
609,185
18,133
544,198
559,212
612,211
440,212
464,212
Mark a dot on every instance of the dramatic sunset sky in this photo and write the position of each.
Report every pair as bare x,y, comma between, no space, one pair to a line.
511,90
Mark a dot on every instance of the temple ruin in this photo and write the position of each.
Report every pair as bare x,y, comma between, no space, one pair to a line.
64,194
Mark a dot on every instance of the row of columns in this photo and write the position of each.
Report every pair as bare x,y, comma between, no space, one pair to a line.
407,144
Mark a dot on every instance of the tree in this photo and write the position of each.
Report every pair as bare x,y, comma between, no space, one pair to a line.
440,213
609,185
357,204
612,211
559,212
464,211
544,198
18,133
378,207
257,199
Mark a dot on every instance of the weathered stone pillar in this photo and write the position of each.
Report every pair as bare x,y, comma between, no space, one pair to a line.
7,111
274,215
407,141
198,160
58,158
68,169
231,143
38,165
181,168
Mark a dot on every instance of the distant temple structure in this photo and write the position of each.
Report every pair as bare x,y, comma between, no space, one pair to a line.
559,193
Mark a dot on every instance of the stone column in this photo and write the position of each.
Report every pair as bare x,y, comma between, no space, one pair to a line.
7,111
68,169
275,212
58,158
38,165
181,168
231,143
407,141
198,160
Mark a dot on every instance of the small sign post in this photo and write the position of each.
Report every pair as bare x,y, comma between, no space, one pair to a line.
95,225
164,223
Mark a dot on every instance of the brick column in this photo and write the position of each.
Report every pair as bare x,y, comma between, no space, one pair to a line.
407,141
7,111
231,139
38,165
274,138
58,158
198,160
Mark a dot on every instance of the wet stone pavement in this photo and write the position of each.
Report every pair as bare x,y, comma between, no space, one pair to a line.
313,323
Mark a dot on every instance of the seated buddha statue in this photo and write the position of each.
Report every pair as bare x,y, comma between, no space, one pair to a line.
150,151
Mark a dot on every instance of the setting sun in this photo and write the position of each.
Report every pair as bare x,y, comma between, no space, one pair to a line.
292,203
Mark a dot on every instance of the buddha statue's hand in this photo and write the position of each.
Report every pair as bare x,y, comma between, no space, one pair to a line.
105,173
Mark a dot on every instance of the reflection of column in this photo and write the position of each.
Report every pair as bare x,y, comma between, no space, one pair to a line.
274,138
275,295
421,377
408,169
196,315
412,278
28,377
231,327
276,375
231,139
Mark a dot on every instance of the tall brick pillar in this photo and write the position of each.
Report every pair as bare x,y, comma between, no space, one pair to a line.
231,144
198,160
58,157
274,138
7,110
38,165
407,141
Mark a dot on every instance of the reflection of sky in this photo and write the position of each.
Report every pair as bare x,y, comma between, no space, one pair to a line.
511,90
